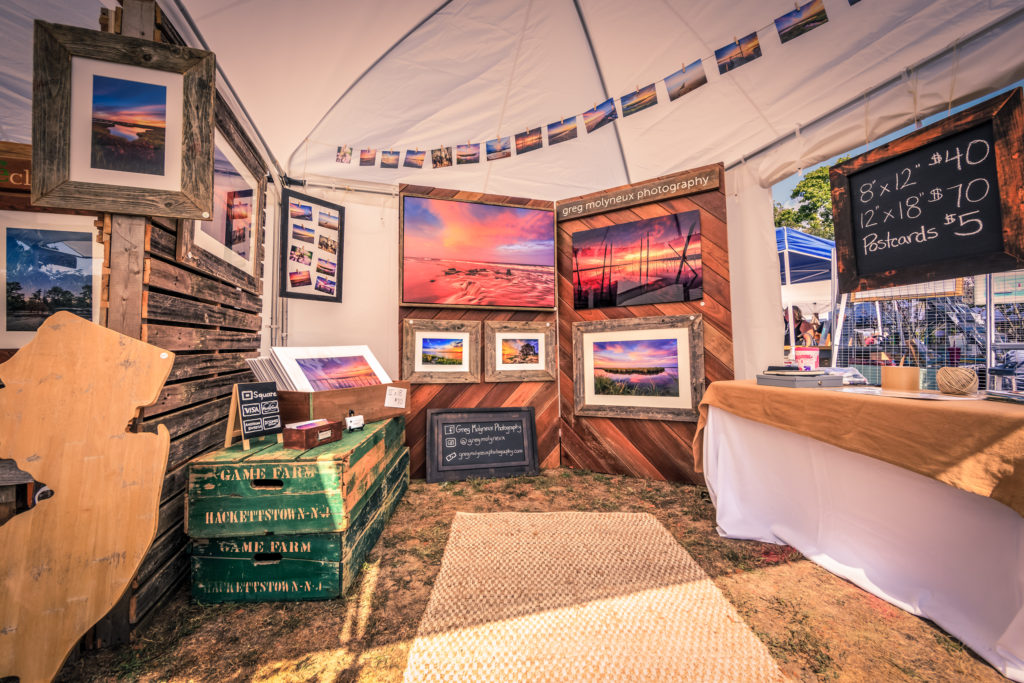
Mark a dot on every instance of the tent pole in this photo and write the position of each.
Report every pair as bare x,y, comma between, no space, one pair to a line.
789,278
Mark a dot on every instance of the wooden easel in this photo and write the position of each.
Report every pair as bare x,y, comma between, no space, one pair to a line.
235,423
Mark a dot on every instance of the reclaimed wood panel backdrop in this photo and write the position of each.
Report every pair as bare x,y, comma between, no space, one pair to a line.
655,449
541,395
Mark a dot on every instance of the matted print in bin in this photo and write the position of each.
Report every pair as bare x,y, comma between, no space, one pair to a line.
461,254
49,262
645,368
440,351
121,124
650,261
519,351
312,245
319,368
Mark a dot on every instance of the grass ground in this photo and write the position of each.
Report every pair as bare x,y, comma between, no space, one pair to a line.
816,625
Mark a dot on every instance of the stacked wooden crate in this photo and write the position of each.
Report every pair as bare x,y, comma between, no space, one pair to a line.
272,523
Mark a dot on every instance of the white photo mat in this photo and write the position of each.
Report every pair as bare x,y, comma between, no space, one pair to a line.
536,337
420,366
30,220
682,337
288,356
82,71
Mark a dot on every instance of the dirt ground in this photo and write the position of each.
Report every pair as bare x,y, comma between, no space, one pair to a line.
816,625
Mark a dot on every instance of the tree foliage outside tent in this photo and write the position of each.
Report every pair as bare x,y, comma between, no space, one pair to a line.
813,212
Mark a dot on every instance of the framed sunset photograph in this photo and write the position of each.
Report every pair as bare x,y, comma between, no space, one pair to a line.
440,351
234,233
312,236
49,262
460,254
321,368
644,368
520,351
106,127
653,261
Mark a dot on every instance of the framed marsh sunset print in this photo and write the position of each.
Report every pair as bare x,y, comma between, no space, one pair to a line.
111,118
519,351
645,368
440,351
462,254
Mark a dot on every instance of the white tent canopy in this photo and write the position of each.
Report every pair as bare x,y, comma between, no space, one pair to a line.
310,75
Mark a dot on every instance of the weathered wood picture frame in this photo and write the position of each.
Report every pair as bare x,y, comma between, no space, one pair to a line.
520,351
1004,114
605,351
234,157
312,248
441,351
481,442
80,77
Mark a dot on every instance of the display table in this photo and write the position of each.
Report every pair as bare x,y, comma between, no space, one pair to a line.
933,539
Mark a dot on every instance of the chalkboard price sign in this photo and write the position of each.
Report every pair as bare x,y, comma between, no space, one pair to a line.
482,442
939,203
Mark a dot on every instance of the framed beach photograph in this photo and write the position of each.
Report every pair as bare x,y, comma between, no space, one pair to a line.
319,368
312,243
49,262
520,351
440,351
654,261
643,368
230,245
121,124
461,254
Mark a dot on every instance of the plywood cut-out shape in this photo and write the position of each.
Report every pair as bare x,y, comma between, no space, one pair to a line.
68,398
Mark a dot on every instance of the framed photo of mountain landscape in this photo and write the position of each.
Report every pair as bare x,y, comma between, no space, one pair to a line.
312,242
121,124
465,254
645,368
230,244
650,261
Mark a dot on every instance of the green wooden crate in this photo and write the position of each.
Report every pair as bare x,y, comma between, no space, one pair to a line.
271,489
297,566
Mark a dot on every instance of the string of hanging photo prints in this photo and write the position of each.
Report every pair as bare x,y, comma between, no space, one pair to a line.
801,20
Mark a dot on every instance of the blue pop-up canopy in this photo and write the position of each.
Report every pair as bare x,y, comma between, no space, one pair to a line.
810,257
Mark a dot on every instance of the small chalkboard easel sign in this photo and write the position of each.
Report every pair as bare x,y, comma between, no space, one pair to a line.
254,412
940,203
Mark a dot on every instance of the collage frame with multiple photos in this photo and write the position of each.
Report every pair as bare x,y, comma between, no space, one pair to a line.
681,330
503,306
32,220
544,369
195,248
315,255
72,126
465,332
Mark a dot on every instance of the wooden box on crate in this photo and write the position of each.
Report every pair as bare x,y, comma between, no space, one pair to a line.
272,523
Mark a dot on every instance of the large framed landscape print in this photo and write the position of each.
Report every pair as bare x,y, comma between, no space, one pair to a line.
312,242
462,254
649,261
230,244
121,124
49,262
645,368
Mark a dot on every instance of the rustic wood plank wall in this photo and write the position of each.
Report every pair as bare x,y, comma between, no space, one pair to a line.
542,396
654,449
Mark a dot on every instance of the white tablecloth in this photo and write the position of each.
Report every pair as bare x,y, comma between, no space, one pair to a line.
954,557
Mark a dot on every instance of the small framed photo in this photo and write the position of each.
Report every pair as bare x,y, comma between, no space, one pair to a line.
312,243
644,368
230,245
441,351
519,351
49,262
320,368
121,124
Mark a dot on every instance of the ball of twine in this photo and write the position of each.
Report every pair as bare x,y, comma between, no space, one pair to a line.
960,381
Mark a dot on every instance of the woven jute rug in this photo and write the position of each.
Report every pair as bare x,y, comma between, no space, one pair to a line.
574,596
